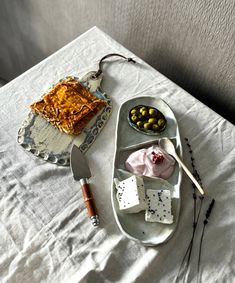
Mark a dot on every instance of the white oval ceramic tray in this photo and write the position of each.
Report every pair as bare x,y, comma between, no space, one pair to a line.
128,140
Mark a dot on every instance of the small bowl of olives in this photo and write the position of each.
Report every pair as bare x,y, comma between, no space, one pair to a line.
147,119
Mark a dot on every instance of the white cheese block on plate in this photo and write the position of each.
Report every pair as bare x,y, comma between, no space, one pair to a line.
131,194
158,206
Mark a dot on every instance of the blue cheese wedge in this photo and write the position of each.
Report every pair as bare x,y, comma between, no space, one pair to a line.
131,194
158,206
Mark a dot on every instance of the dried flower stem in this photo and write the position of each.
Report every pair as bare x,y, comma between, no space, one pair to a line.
187,256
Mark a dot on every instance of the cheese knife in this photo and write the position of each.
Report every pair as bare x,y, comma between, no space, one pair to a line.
81,172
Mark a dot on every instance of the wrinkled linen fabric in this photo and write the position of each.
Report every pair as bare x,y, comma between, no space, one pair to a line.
45,234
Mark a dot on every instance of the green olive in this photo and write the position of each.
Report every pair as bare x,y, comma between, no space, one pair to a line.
152,112
145,113
143,109
134,112
155,127
152,120
147,126
140,124
134,118
161,122
140,117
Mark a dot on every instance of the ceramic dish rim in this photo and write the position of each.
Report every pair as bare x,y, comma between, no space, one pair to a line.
179,145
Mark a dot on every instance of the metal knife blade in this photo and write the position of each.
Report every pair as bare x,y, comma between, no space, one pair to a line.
79,164
81,172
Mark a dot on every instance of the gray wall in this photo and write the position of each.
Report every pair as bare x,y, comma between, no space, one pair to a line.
190,41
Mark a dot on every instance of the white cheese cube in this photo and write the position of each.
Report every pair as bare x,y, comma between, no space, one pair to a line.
158,206
131,194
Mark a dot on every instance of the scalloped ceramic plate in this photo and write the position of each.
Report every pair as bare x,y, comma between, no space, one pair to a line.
45,141
129,140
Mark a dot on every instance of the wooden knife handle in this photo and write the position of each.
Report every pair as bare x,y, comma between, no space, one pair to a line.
87,196
90,205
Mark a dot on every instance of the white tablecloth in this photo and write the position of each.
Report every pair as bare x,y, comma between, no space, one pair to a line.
45,234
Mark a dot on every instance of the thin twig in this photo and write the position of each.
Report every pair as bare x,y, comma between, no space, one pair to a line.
184,266
208,213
